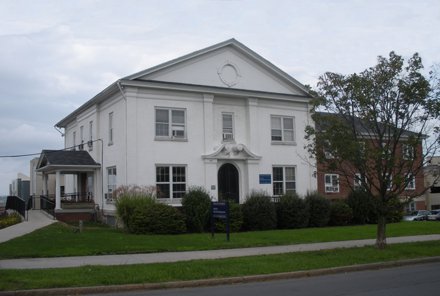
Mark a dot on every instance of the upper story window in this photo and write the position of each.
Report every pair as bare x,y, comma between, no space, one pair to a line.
331,183
227,127
110,128
284,180
408,152
81,135
90,143
170,123
282,128
74,140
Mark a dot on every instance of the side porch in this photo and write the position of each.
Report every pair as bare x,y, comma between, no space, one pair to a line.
76,175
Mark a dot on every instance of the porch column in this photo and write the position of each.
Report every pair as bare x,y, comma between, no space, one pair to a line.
57,191
45,185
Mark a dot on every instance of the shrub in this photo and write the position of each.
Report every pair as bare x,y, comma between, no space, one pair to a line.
129,198
340,213
394,210
157,218
259,212
362,206
319,208
235,219
196,205
292,212
9,219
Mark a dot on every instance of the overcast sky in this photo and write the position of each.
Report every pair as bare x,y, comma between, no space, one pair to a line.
56,55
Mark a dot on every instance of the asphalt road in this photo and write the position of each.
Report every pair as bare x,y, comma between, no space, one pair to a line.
423,279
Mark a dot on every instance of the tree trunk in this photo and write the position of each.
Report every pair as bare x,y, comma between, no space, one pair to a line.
381,239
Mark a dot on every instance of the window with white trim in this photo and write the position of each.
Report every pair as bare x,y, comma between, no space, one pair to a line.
170,181
282,128
74,140
331,183
227,127
90,143
111,181
408,152
357,181
81,135
170,123
410,181
284,180
110,128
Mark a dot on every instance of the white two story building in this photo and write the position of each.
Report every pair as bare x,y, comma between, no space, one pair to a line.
222,117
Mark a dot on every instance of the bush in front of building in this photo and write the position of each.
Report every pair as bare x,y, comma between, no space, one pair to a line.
340,213
196,206
259,212
7,220
292,212
235,219
157,218
319,208
362,206
130,198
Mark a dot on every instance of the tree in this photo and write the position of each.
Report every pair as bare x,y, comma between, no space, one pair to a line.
379,125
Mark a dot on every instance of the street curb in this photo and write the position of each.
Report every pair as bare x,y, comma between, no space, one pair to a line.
219,281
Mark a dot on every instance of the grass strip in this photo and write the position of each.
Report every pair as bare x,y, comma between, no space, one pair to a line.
59,239
11,280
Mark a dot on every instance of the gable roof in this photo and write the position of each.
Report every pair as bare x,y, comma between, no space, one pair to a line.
66,160
232,43
134,79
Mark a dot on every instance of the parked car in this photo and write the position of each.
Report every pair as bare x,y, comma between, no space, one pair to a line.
417,216
434,215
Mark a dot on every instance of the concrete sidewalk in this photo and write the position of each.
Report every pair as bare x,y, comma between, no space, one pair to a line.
61,262
36,220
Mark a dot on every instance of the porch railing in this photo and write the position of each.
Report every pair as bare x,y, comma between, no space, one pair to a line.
76,197
48,205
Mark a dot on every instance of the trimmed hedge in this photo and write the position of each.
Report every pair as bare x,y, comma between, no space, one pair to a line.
362,206
196,205
340,213
292,212
319,208
235,219
259,212
157,218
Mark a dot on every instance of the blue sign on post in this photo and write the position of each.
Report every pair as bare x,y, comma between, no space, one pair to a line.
265,179
220,210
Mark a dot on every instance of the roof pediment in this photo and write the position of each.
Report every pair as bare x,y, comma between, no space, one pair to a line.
228,64
232,151
65,160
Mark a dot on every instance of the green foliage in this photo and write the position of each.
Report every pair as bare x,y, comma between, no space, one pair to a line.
130,198
9,220
235,219
157,218
362,206
196,205
319,208
292,212
259,212
340,213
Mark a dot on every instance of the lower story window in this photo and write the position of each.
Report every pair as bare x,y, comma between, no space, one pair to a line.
284,180
331,183
170,181
111,181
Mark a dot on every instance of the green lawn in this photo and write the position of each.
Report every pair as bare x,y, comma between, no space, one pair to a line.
206,269
60,239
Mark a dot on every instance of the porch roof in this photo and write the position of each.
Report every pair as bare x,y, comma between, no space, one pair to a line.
66,160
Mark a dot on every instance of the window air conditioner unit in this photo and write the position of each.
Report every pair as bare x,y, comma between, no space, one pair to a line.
177,134
228,136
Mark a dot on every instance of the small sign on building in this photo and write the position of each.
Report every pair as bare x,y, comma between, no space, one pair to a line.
265,179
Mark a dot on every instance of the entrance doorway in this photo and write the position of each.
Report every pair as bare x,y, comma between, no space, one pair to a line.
228,185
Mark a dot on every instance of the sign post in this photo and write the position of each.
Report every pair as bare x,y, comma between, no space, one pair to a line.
220,210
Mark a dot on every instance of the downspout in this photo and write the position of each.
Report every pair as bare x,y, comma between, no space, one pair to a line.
118,83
